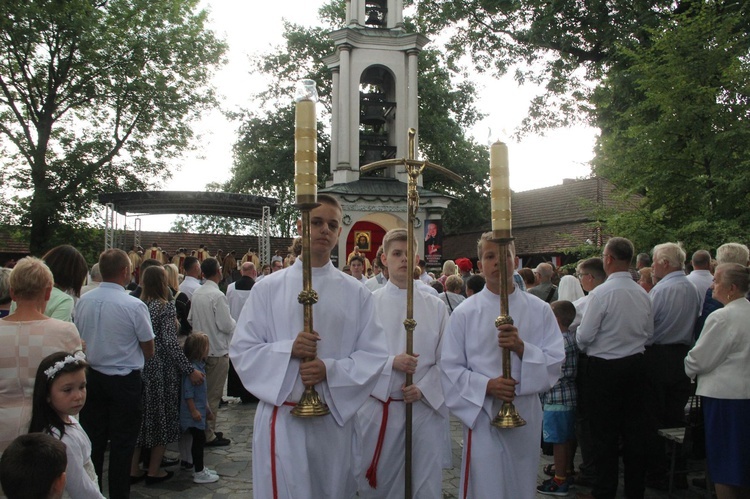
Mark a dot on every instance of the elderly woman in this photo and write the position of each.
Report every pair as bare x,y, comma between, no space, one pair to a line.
26,337
69,269
162,377
720,360
449,269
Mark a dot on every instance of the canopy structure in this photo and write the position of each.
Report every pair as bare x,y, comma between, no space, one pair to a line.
226,204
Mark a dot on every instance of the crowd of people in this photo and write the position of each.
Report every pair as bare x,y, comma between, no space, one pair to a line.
599,362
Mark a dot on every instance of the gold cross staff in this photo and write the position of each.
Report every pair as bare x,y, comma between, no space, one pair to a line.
414,169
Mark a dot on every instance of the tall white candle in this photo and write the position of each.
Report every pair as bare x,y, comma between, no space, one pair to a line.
306,143
500,187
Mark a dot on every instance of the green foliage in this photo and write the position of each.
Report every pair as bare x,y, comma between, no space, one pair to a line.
675,128
96,97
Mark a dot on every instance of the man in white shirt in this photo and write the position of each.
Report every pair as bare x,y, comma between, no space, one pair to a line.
612,336
192,276
499,463
701,276
308,458
209,313
675,304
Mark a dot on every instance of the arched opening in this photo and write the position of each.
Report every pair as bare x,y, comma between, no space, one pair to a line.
377,94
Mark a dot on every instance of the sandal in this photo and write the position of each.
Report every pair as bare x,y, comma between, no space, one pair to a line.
549,469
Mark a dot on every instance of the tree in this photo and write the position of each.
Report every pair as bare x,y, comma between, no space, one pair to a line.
564,45
676,127
97,96
264,150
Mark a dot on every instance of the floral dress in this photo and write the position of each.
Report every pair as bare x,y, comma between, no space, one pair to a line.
162,375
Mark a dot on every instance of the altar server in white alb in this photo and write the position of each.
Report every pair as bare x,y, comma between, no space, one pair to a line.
308,457
382,420
499,463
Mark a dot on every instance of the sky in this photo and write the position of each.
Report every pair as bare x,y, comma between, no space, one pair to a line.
254,28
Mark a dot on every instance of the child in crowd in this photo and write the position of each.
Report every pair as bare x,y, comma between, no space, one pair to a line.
560,407
59,395
194,410
33,467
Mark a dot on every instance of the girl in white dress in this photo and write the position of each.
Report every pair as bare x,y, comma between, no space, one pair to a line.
59,395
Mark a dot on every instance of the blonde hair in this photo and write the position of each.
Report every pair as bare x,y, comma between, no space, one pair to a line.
173,275
489,237
395,235
30,278
449,268
454,283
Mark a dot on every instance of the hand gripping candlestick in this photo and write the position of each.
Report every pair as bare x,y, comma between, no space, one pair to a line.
501,232
414,169
306,190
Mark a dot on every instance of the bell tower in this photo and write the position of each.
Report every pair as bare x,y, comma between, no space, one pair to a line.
374,88
374,104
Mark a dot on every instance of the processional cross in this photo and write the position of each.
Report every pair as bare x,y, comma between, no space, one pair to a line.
414,169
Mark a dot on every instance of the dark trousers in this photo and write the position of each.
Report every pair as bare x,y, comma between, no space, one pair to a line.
614,395
113,410
667,392
583,431
199,444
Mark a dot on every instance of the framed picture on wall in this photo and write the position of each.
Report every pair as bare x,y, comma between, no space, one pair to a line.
362,239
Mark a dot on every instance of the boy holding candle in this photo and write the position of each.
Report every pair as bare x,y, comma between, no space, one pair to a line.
308,457
381,425
506,460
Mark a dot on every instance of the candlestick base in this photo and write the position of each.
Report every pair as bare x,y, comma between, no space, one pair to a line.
310,405
508,417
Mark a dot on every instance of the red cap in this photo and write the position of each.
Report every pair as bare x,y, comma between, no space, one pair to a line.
464,264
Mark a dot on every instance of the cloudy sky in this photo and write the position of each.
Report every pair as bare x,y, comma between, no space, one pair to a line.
253,28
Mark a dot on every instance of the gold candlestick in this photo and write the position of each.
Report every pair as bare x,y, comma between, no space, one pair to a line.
306,191
508,416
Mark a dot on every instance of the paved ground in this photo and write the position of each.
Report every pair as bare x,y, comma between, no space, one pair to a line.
234,465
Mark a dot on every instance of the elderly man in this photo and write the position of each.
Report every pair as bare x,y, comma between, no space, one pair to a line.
119,338
545,289
95,278
209,313
612,336
675,304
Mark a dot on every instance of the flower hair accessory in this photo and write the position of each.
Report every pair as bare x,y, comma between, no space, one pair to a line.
77,357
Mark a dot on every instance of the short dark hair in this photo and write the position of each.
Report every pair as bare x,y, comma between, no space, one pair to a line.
475,283
620,248
210,267
595,267
31,464
149,262
68,266
189,262
330,200
357,258
564,311
111,263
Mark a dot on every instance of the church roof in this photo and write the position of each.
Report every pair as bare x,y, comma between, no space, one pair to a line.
226,204
382,189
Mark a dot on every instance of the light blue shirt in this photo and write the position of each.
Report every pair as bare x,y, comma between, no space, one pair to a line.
113,324
676,303
618,320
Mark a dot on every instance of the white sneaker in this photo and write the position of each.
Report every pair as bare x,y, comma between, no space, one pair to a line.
208,470
205,477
